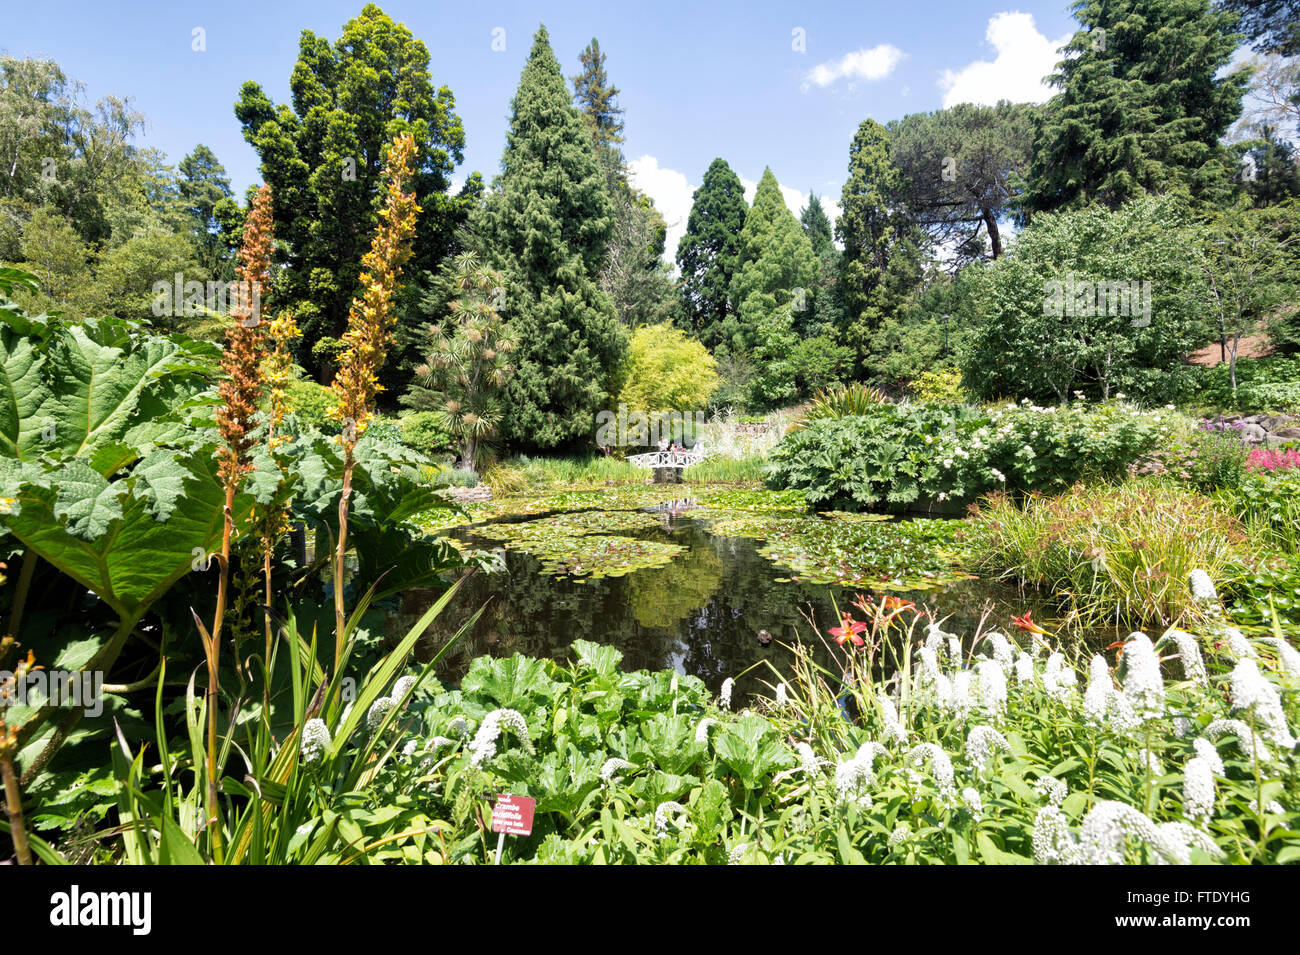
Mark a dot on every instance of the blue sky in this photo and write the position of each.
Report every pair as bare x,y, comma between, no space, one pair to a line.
737,80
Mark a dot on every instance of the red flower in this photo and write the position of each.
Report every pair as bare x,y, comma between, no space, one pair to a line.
848,631
1026,623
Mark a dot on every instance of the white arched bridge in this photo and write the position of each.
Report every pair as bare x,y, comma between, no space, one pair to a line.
657,460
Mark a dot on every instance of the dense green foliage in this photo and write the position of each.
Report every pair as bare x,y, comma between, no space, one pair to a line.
893,457
709,252
549,221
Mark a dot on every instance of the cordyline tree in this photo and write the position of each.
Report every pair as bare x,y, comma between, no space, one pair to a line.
324,159
1142,106
549,222
240,391
707,252
368,337
469,359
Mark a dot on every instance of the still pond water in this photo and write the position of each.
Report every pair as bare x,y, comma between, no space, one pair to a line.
705,613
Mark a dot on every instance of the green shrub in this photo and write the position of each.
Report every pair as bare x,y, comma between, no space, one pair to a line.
1219,459
422,431
311,404
943,384
1268,504
456,477
901,455
1263,384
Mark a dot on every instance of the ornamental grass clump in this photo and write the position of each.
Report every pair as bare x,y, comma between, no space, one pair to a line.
1114,554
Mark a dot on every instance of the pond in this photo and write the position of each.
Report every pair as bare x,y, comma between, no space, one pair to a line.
679,587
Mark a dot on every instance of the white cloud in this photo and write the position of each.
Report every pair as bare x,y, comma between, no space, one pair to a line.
1024,58
672,193
873,64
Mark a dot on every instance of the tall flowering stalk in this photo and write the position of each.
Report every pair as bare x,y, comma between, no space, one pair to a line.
370,329
278,372
240,391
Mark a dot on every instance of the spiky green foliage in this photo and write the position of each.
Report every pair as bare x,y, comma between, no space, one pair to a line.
549,222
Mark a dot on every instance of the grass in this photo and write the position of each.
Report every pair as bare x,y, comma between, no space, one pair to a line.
1120,553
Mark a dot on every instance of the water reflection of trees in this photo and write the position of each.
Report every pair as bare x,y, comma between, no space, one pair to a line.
700,615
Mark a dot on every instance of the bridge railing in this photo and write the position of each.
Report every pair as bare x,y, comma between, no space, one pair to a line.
667,459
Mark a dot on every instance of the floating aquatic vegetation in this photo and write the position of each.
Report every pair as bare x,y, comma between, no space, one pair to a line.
904,555
577,543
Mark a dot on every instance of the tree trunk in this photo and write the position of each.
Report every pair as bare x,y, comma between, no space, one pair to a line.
995,237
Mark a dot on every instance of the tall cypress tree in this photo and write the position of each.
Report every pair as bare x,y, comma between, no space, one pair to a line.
706,254
1141,107
776,270
880,263
824,316
548,222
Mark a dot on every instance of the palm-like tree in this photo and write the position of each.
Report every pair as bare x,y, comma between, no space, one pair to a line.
469,359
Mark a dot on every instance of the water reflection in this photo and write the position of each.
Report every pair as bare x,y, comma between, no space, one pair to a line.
700,614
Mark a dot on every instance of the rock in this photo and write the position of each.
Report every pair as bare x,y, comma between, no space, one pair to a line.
764,637
1273,422
1287,434
1253,434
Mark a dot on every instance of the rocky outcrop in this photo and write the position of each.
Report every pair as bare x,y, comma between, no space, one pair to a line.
1261,429
468,495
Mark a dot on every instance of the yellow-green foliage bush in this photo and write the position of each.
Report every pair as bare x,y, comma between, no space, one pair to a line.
666,371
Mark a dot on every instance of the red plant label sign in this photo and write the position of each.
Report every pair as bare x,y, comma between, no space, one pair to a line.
513,815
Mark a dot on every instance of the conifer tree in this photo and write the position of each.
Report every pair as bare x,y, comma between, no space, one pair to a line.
706,254
547,224
1142,106
880,264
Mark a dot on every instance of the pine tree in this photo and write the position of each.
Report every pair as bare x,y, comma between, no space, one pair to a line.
595,96
548,221
706,254
203,185
880,264
1141,107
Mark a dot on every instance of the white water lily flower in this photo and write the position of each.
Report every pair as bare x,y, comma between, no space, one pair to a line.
612,767
1189,651
702,729
1287,655
980,744
725,696
1201,586
1143,684
940,768
1198,791
315,740
971,800
1253,693
993,689
484,746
